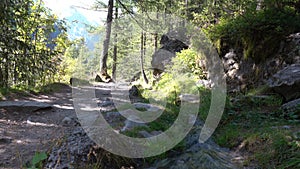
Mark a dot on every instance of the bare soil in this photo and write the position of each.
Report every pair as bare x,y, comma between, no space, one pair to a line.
23,133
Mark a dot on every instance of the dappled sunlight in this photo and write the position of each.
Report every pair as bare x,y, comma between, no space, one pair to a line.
39,124
165,84
68,107
20,140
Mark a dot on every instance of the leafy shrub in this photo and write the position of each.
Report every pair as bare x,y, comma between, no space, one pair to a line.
257,31
187,61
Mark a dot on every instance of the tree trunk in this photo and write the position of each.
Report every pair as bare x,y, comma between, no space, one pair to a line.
155,41
103,63
259,5
142,57
114,68
186,12
144,44
15,73
1,78
156,34
6,71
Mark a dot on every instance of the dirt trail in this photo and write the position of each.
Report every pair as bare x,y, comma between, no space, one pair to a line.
23,132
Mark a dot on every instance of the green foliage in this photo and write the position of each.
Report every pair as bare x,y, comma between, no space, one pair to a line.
66,69
180,75
37,160
254,125
187,61
28,55
257,30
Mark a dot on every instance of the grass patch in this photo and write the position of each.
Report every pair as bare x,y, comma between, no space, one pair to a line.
99,158
162,123
260,132
37,160
252,124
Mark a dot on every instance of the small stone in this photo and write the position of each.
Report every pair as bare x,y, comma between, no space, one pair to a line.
286,127
106,104
286,82
180,162
155,133
133,91
66,121
130,124
145,134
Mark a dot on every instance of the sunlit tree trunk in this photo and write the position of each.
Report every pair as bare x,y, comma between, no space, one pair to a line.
6,72
103,62
142,57
114,68
156,34
259,4
155,41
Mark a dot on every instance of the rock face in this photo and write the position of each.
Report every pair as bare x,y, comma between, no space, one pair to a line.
164,55
291,49
243,73
230,64
286,82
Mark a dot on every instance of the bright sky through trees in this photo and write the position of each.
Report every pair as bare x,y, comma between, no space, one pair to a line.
67,8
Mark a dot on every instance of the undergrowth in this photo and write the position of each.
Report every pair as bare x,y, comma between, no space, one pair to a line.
257,128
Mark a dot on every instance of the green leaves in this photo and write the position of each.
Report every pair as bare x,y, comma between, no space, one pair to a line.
37,160
256,30
28,44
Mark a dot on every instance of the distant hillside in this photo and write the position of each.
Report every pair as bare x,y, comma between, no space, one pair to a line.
78,24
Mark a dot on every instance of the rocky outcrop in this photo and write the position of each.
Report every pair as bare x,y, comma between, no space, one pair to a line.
76,149
243,73
196,155
286,82
291,49
30,106
164,55
292,107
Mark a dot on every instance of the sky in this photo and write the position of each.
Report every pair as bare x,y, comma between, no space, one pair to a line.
65,9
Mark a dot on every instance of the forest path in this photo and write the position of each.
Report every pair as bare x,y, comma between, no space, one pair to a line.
24,132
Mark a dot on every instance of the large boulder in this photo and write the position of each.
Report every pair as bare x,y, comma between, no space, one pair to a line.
286,82
291,49
292,107
164,55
